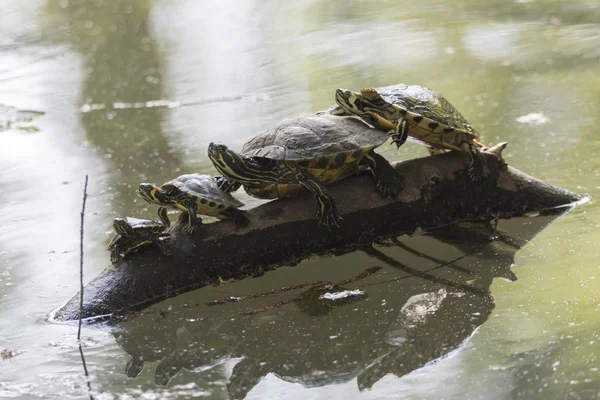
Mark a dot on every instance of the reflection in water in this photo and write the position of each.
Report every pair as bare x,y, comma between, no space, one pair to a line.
262,61
405,317
122,68
13,118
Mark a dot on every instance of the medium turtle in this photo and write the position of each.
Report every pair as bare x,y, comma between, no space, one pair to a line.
423,114
193,194
133,233
307,151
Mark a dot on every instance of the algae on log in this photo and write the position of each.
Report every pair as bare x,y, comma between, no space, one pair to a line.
437,192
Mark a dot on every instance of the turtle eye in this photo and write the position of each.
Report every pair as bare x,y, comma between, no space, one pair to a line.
221,148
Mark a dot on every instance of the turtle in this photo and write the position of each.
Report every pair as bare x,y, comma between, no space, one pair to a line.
133,233
423,114
307,152
193,194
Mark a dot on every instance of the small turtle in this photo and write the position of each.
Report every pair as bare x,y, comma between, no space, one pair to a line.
193,194
423,114
133,233
307,152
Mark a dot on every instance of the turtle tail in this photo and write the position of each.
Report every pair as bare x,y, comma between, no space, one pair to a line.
238,216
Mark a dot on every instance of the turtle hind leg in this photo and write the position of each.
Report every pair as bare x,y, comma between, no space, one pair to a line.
238,217
387,179
478,169
327,213
400,133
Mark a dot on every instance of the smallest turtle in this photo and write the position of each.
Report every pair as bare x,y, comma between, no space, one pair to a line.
134,233
193,194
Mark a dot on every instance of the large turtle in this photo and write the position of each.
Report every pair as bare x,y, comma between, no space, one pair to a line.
193,194
308,151
423,114
133,233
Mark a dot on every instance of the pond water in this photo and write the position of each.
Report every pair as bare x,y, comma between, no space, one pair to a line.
135,90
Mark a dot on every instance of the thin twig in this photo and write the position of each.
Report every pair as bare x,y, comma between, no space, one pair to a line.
81,259
85,370
370,250
87,377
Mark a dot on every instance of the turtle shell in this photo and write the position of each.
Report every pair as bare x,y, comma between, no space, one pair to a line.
142,224
202,187
139,226
308,137
429,104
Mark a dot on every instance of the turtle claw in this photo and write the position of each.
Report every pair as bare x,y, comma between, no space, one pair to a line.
188,229
477,173
330,222
115,256
398,143
390,188
329,218
389,183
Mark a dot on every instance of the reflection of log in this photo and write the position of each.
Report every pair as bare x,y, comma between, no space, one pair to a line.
398,324
437,192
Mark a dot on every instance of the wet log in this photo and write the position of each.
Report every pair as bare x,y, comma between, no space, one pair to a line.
437,193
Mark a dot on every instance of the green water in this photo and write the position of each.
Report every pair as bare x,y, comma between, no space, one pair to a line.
134,91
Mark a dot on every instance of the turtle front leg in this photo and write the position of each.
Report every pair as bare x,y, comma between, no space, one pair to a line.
192,219
164,247
387,179
162,214
227,185
115,255
134,247
400,132
478,169
327,213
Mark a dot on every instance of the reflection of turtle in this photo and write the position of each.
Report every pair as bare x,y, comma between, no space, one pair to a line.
307,151
419,112
194,354
134,233
193,194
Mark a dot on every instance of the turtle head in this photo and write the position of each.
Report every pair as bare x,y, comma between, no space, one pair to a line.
226,161
122,227
349,101
153,194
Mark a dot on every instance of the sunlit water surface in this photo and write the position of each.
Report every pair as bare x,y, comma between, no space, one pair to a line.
134,91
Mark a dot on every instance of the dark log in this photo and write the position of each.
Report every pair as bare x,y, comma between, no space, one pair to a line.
283,232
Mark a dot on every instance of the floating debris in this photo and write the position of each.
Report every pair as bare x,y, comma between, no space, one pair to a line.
533,119
7,353
13,118
120,106
342,295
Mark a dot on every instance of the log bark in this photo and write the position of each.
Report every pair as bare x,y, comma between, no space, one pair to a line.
437,192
